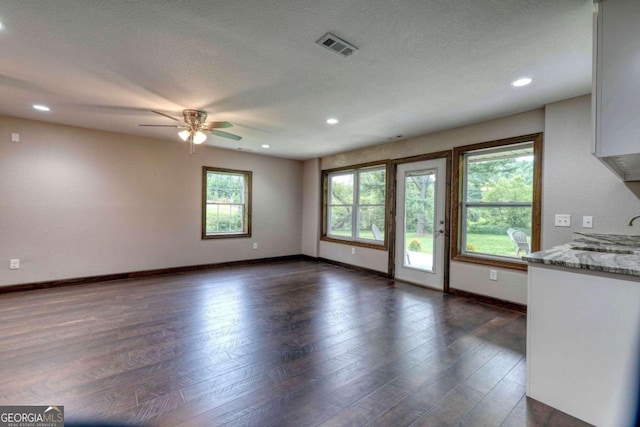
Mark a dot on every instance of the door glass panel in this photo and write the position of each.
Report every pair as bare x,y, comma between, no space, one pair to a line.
419,219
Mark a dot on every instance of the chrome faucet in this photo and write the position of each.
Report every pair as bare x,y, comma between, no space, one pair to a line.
633,219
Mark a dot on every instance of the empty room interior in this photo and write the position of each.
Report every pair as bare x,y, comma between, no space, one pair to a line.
336,213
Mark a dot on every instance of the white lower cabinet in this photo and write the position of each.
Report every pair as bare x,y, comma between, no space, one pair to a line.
583,343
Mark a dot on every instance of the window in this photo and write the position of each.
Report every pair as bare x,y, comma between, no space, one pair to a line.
354,205
497,217
226,203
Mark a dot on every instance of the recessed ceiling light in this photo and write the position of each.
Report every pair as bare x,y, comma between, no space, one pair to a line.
332,121
41,107
265,146
521,82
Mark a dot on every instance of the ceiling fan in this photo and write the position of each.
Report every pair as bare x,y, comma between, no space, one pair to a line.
195,127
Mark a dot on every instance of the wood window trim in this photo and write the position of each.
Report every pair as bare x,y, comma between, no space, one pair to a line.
324,201
248,175
456,198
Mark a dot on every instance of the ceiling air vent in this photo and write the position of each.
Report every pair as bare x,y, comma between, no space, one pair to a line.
336,44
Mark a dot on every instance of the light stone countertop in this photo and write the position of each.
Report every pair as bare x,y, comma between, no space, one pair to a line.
611,253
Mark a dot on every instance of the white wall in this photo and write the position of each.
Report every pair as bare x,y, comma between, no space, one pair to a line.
505,127
77,202
373,259
310,207
574,182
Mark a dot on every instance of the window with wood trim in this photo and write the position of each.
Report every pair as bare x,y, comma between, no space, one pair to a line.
497,209
355,205
226,203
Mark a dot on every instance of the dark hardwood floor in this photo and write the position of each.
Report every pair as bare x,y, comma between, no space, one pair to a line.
292,343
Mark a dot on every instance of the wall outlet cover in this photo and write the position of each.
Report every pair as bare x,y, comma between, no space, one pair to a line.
562,220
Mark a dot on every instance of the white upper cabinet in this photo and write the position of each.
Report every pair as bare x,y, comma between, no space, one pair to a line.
617,86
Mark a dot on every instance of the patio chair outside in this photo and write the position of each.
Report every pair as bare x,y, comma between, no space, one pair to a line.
376,232
519,239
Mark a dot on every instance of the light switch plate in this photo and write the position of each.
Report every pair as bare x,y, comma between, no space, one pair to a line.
15,137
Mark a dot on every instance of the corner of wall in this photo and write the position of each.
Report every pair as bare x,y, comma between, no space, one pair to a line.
310,233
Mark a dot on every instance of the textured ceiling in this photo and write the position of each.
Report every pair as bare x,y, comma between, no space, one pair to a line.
422,65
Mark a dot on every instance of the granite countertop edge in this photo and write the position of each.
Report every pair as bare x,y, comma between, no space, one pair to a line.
572,255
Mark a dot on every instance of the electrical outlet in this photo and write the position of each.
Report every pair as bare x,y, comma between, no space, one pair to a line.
255,246
587,222
493,275
563,220
14,264
353,251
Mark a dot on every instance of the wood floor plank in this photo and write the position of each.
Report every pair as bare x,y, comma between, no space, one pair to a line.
452,407
290,343
496,405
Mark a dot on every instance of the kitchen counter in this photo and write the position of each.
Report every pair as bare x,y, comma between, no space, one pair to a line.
583,328
611,253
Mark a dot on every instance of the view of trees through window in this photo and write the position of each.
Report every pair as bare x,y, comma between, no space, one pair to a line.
356,203
498,201
419,195
225,202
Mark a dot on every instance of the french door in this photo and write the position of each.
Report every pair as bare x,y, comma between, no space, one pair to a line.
420,222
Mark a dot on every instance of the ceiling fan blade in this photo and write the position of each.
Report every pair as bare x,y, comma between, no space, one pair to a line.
165,126
166,115
217,125
225,134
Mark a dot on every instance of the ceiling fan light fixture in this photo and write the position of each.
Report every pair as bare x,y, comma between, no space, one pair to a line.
199,137
184,134
195,128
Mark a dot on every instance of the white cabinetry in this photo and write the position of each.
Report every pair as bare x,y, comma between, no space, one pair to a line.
617,86
583,342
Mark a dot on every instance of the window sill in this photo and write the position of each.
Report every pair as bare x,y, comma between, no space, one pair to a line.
225,236
382,246
493,262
